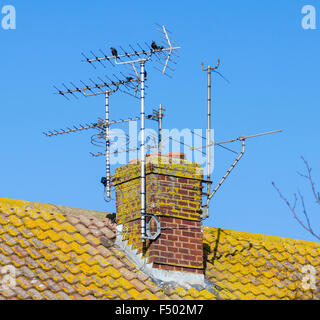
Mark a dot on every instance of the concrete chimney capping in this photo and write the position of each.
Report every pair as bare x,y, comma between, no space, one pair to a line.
174,196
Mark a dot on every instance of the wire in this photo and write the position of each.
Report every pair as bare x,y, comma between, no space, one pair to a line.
227,148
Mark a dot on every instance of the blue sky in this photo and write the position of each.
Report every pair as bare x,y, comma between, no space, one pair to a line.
271,62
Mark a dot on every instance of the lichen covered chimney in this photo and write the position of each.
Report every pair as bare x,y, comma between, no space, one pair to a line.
173,196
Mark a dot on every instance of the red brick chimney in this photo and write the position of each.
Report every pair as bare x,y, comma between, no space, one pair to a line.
174,187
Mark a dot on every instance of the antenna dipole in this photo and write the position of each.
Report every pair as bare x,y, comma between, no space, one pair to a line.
143,55
205,208
239,139
105,88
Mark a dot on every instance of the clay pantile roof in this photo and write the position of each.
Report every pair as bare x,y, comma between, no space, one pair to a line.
64,253
253,266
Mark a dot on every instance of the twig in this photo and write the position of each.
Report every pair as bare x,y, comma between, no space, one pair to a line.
293,211
309,178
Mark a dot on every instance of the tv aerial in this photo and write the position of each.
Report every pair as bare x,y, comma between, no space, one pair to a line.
134,84
210,144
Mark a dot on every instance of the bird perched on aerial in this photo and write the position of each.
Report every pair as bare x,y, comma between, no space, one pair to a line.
114,52
129,78
154,46
145,75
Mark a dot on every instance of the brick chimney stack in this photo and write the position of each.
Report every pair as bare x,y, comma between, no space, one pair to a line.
174,187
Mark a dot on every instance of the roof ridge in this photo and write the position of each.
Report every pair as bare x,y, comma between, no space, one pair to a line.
65,210
264,237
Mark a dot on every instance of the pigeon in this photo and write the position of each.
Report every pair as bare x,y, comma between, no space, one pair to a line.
114,52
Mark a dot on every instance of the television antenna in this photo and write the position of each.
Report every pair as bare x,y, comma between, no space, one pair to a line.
205,208
105,88
163,56
210,144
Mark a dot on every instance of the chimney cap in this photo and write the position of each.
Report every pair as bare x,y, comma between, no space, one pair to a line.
172,155
176,155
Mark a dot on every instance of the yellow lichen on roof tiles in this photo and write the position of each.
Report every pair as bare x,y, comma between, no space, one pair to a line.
148,295
254,266
206,295
56,260
64,261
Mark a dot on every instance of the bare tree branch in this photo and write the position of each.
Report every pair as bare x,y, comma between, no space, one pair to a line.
293,209
305,211
309,178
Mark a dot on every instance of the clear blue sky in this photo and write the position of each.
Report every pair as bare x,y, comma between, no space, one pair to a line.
271,62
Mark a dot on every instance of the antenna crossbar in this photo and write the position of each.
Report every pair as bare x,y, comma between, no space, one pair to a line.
108,87
69,130
238,139
99,125
140,53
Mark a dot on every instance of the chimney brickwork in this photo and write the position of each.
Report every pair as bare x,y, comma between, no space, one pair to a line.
174,188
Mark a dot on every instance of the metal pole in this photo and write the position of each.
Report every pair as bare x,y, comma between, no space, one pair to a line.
209,71
160,129
143,156
108,147
209,129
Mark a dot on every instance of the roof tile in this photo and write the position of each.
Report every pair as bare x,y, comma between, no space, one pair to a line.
17,261
26,233
60,256
11,241
85,221
24,283
5,249
265,266
95,232
108,233
21,294
63,296
103,251
48,295
68,289
73,220
8,293
82,229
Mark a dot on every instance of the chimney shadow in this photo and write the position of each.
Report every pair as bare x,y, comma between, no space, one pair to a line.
207,251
